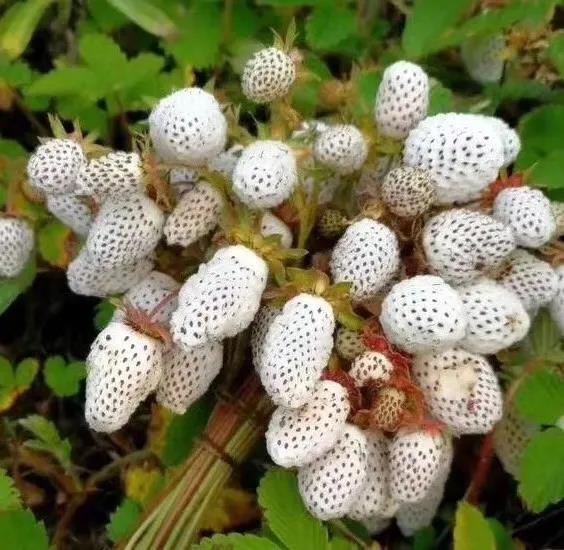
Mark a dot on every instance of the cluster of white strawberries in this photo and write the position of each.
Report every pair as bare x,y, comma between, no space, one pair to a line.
441,278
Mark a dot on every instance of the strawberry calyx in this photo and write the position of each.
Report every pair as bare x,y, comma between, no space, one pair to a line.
515,180
345,379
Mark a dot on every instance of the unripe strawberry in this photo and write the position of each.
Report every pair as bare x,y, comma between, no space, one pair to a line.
423,314
375,493
259,330
124,367
459,244
268,75
330,485
373,173
296,437
402,100
87,278
557,303
408,192
271,225
297,348
16,244
225,162
54,166
496,317
72,211
155,296
371,366
417,459
196,214
349,343
528,213
461,390
332,223
463,154
483,59
266,174
188,127
188,374
221,299
117,174
388,409
341,148
533,281
367,256
124,231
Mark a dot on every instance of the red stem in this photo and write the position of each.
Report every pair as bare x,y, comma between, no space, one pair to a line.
483,468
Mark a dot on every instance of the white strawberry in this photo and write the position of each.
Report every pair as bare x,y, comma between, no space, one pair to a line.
483,57
266,174
533,281
54,166
375,493
183,177
225,162
371,366
72,211
124,231
367,255
117,174
496,317
188,127
423,314
330,485
124,367
528,213
87,278
402,100
509,137
259,330
271,225
408,192
296,437
417,459
155,296
196,214
461,390
16,244
341,148
558,213
296,350
459,244
463,154
268,75
557,303
348,343
221,299
187,375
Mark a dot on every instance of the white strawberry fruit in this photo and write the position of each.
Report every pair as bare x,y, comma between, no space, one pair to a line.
296,437
371,366
407,192
330,485
461,390
188,374
341,148
16,243
225,162
402,99
296,350
54,166
270,225
266,174
557,303
483,58
196,214
367,255
259,330
460,244
349,343
188,127
221,299
423,314
268,75
72,211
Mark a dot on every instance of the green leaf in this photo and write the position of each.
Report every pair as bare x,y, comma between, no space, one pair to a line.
286,514
339,543
10,497
556,51
19,529
64,379
541,473
440,100
428,23
104,313
425,539
540,397
10,289
67,81
106,17
236,541
53,243
147,16
124,520
329,25
26,371
547,172
502,539
544,336
48,439
471,529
